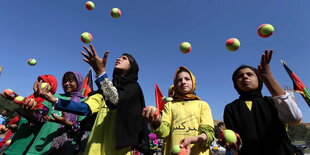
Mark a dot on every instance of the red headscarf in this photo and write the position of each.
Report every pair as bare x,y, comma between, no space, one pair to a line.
51,80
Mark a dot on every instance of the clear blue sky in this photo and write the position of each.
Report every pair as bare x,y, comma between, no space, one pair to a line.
152,31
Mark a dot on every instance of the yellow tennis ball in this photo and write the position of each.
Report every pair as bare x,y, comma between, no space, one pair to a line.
116,12
86,37
8,142
90,5
175,149
265,30
44,84
232,44
32,62
18,99
185,47
229,136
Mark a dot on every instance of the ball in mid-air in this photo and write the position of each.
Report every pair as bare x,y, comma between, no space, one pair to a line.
116,12
86,37
90,5
232,44
32,62
265,30
185,47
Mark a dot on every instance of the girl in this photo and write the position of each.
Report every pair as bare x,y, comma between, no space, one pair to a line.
57,135
257,119
187,120
118,127
30,127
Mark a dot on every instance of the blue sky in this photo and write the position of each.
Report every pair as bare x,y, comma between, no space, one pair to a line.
152,31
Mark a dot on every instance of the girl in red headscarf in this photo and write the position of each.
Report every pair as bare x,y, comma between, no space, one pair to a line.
28,127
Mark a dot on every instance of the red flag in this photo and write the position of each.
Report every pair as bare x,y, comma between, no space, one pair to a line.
159,98
87,84
298,85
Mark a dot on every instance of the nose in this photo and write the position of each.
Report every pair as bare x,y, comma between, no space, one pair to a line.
66,83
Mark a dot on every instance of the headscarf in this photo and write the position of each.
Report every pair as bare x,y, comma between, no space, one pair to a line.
77,95
51,80
179,96
131,130
130,76
247,95
259,127
62,138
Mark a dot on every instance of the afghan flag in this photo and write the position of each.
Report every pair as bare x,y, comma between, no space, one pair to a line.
160,104
298,85
87,84
1,68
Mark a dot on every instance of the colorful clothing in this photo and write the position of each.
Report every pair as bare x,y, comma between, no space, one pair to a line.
50,130
102,139
186,119
29,128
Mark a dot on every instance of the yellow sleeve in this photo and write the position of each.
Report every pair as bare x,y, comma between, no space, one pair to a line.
95,102
206,115
164,129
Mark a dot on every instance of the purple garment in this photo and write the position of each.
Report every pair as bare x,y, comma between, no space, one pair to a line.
77,96
66,134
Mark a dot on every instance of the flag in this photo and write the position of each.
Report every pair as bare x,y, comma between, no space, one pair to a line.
87,84
159,98
1,69
298,85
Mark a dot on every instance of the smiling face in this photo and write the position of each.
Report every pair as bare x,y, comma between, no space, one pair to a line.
184,82
69,83
122,64
247,80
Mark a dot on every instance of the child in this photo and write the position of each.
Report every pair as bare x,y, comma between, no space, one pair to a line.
187,120
118,126
257,119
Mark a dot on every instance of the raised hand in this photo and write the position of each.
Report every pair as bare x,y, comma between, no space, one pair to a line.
151,115
92,58
43,92
264,67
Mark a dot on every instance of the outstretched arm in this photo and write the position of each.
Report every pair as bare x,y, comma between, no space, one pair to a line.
265,74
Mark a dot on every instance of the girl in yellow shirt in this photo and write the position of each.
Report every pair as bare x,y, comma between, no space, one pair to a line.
187,120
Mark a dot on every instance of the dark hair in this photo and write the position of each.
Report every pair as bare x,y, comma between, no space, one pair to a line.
68,76
235,74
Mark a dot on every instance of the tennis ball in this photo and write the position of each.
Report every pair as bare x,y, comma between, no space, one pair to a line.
265,30
175,149
44,84
229,136
86,37
18,99
90,5
8,142
115,12
185,47
232,44
32,62
8,92
32,103
3,128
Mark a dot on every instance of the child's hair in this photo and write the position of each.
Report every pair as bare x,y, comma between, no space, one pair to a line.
68,76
